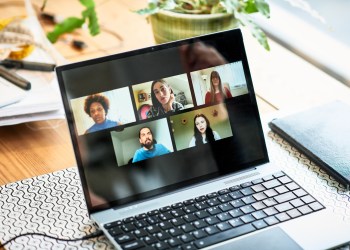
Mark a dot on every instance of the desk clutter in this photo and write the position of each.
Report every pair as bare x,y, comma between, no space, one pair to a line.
53,204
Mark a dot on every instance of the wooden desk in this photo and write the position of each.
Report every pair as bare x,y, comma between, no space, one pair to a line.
282,81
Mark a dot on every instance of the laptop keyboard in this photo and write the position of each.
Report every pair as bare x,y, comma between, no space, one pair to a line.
216,217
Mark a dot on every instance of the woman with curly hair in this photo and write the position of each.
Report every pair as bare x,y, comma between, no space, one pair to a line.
217,93
202,131
163,99
97,106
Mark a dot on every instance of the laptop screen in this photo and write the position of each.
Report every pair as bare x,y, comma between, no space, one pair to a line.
154,120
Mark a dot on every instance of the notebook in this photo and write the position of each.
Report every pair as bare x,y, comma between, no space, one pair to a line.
321,133
171,153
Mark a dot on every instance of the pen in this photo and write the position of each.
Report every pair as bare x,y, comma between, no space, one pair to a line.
15,78
19,64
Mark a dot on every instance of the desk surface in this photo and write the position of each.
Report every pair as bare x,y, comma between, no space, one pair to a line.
282,81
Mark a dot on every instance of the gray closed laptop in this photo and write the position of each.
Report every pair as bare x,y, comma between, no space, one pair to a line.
171,153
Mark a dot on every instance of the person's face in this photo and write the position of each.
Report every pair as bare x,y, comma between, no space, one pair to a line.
97,112
146,138
215,80
201,124
162,92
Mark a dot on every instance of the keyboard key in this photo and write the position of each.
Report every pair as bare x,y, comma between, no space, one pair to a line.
236,212
140,216
201,198
258,188
188,247
225,198
270,211
316,206
177,221
175,232
279,174
177,205
189,202
247,191
236,222
153,229
285,197
153,212
161,245
166,216
294,213
165,209
186,238
271,184
285,179
128,227
140,233
189,217
260,196
201,205
297,202
224,216
222,226
200,224
174,242
212,195
247,209
257,181
281,189
225,235
292,186
213,202
212,220
305,209
113,224
199,234
214,210
234,188
268,177
202,214
133,245
259,224
282,217
236,195
189,209
211,230
187,228
115,231
299,192
124,238
247,218
284,207
259,215
162,236
269,202
249,199
223,191
246,184
164,225
237,203
270,193
128,220
308,199
150,239
271,220
258,205
225,207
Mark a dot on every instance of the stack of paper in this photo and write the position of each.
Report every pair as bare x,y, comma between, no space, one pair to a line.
43,100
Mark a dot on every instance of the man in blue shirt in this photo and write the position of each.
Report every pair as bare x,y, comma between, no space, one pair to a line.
149,147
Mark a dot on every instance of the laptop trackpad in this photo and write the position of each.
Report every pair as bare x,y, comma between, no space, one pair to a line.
274,238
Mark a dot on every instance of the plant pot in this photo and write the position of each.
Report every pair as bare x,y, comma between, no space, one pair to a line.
169,26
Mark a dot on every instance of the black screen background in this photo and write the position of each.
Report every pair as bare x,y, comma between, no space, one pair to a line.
117,186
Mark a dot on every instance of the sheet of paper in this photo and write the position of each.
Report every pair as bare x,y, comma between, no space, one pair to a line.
43,100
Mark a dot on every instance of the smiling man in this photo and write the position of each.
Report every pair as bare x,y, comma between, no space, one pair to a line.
149,146
96,106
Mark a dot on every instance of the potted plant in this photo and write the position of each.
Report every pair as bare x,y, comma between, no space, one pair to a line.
178,19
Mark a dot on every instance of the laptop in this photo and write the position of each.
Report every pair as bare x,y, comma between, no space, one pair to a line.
171,152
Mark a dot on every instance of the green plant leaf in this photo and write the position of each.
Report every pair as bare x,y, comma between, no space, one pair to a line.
88,3
91,15
68,25
250,7
263,7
